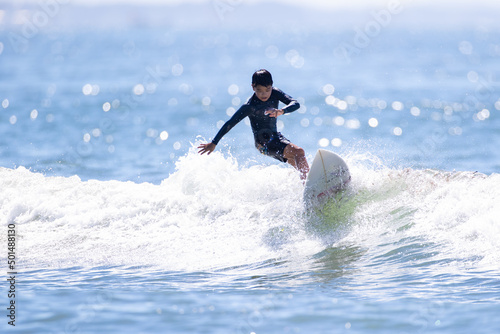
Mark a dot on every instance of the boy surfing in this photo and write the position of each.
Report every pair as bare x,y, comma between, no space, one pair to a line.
262,110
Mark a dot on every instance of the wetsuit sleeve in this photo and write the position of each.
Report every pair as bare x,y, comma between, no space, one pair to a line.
291,103
235,119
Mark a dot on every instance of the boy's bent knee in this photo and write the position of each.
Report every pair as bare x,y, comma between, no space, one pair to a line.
293,151
297,151
300,151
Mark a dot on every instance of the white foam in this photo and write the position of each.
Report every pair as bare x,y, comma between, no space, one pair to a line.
208,214
454,211
212,213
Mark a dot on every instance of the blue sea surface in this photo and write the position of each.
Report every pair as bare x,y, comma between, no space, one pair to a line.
122,227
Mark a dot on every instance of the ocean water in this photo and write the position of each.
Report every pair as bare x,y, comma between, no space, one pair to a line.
121,227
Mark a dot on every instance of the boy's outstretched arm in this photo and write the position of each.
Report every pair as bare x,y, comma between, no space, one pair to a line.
235,119
206,148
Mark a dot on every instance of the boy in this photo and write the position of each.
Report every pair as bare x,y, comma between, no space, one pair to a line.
262,110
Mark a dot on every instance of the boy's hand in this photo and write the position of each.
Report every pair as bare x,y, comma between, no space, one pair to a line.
274,112
206,148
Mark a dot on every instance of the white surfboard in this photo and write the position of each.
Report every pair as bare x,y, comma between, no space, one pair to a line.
328,175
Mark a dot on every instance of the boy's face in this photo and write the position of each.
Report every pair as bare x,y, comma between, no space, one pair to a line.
263,93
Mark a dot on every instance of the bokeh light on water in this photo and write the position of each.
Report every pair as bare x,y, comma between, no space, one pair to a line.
361,75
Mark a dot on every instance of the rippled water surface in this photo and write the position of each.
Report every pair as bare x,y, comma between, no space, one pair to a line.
121,227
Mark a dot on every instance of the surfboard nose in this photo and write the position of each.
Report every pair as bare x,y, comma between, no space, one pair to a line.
328,175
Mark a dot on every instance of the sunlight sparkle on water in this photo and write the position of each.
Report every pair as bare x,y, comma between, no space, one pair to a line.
206,101
415,111
89,89
323,142
336,142
339,121
294,58
353,124
482,115
164,135
328,89
138,89
233,89
448,110
381,104
397,131
396,105
455,131
106,106
330,100
342,105
373,122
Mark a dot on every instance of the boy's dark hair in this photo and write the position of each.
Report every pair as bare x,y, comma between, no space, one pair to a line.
263,78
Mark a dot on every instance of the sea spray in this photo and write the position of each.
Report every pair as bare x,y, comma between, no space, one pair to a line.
211,213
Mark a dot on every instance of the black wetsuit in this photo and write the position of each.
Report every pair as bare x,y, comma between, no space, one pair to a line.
267,138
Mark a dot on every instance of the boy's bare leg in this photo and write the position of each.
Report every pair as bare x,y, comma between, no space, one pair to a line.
297,158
